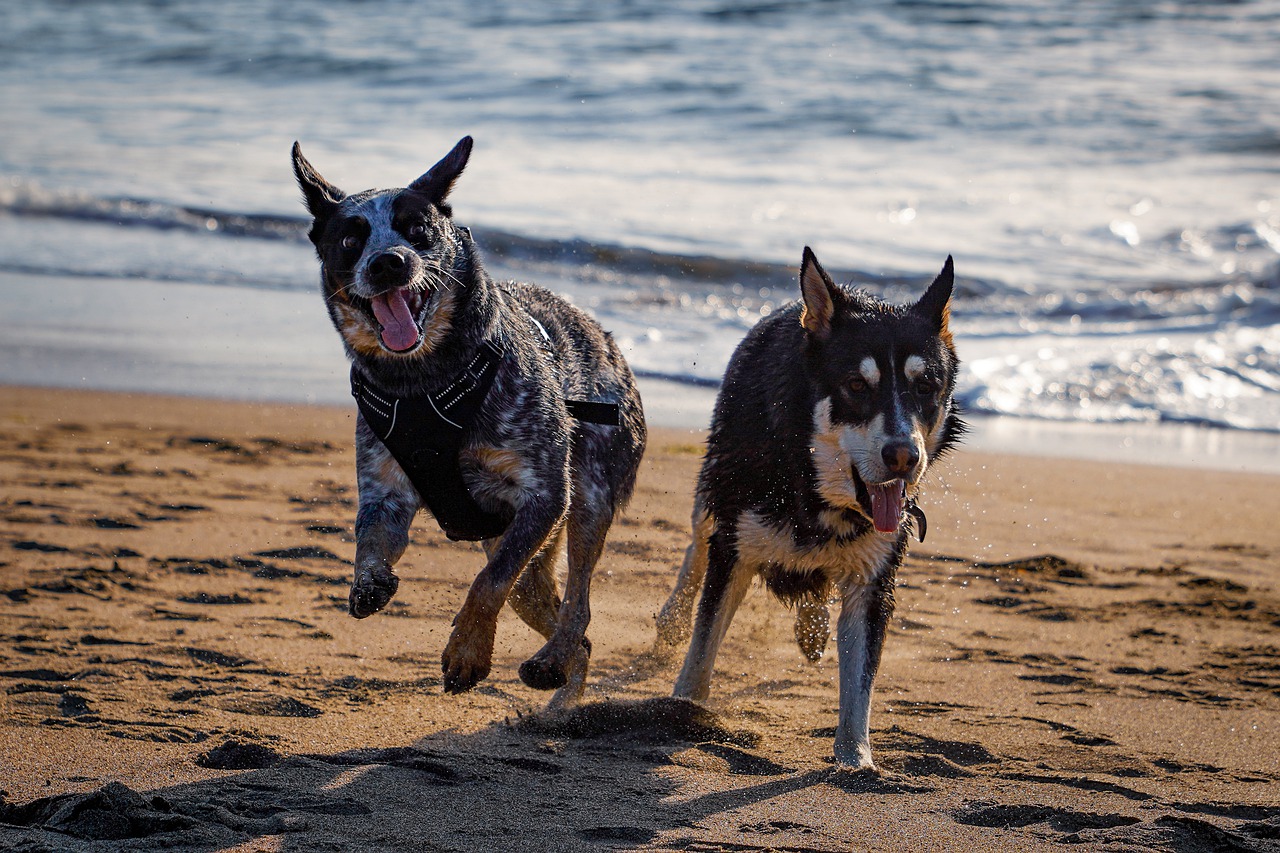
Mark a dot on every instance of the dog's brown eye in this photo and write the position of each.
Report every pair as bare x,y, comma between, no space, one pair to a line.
417,230
857,385
924,387
350,241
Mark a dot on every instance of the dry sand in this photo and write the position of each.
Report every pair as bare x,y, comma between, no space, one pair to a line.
1083,653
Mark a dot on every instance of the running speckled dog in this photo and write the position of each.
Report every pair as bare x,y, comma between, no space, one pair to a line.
507,413
830,413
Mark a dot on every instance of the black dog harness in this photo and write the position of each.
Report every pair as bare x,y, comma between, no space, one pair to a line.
426,433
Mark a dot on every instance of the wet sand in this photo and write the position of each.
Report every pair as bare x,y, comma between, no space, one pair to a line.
1083,653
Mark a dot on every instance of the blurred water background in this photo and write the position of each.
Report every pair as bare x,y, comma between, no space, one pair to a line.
1106,174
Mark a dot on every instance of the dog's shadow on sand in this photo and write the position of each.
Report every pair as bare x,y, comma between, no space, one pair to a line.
596,775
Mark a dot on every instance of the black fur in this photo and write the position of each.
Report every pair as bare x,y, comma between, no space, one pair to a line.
782,492
766,405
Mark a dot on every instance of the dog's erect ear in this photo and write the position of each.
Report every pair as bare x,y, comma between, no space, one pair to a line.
820,296
438,180
935,305
322,197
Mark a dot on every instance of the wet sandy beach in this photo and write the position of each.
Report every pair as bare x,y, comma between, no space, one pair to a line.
1083,653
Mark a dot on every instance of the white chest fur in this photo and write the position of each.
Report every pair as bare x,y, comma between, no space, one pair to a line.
849,563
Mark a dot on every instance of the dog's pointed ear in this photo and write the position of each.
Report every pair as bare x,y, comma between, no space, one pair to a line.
438,181
821,296
935,305
321,196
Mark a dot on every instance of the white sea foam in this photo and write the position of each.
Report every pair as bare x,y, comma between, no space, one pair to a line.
1105,180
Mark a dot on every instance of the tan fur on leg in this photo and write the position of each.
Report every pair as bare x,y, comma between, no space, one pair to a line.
551,667
535,597
675,619
694,681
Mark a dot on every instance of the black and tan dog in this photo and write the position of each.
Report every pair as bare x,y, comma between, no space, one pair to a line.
830,413
506,412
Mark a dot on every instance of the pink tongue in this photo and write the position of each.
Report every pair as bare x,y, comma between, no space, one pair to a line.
887,500
399,331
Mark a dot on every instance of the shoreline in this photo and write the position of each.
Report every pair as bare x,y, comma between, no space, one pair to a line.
196,340
687,408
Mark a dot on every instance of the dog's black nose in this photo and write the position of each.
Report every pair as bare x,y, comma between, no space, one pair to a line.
900,456
387,265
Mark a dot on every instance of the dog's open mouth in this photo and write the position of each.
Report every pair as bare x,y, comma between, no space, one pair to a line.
888,502
399,316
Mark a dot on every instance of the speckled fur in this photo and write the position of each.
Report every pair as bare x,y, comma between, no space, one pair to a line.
565,480
782,492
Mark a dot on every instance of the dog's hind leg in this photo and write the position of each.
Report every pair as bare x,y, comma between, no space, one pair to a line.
813,626
535,598
726,584
677,614
562,662
860,630
468,655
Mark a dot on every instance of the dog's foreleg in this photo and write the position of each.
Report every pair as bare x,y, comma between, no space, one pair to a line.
388,503
726,584
677,614
469,653
860,631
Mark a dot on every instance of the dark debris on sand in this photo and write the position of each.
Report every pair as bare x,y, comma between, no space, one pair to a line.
659,720
236,755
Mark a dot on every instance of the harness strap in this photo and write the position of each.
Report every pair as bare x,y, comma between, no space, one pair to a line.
605,414
426,434
586,411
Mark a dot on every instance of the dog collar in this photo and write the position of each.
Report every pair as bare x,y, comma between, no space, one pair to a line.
914,510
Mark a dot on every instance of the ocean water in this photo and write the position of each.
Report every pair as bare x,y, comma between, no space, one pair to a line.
1106,174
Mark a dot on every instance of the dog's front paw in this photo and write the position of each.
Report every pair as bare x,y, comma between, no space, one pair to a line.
466,660
854,757
371,591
